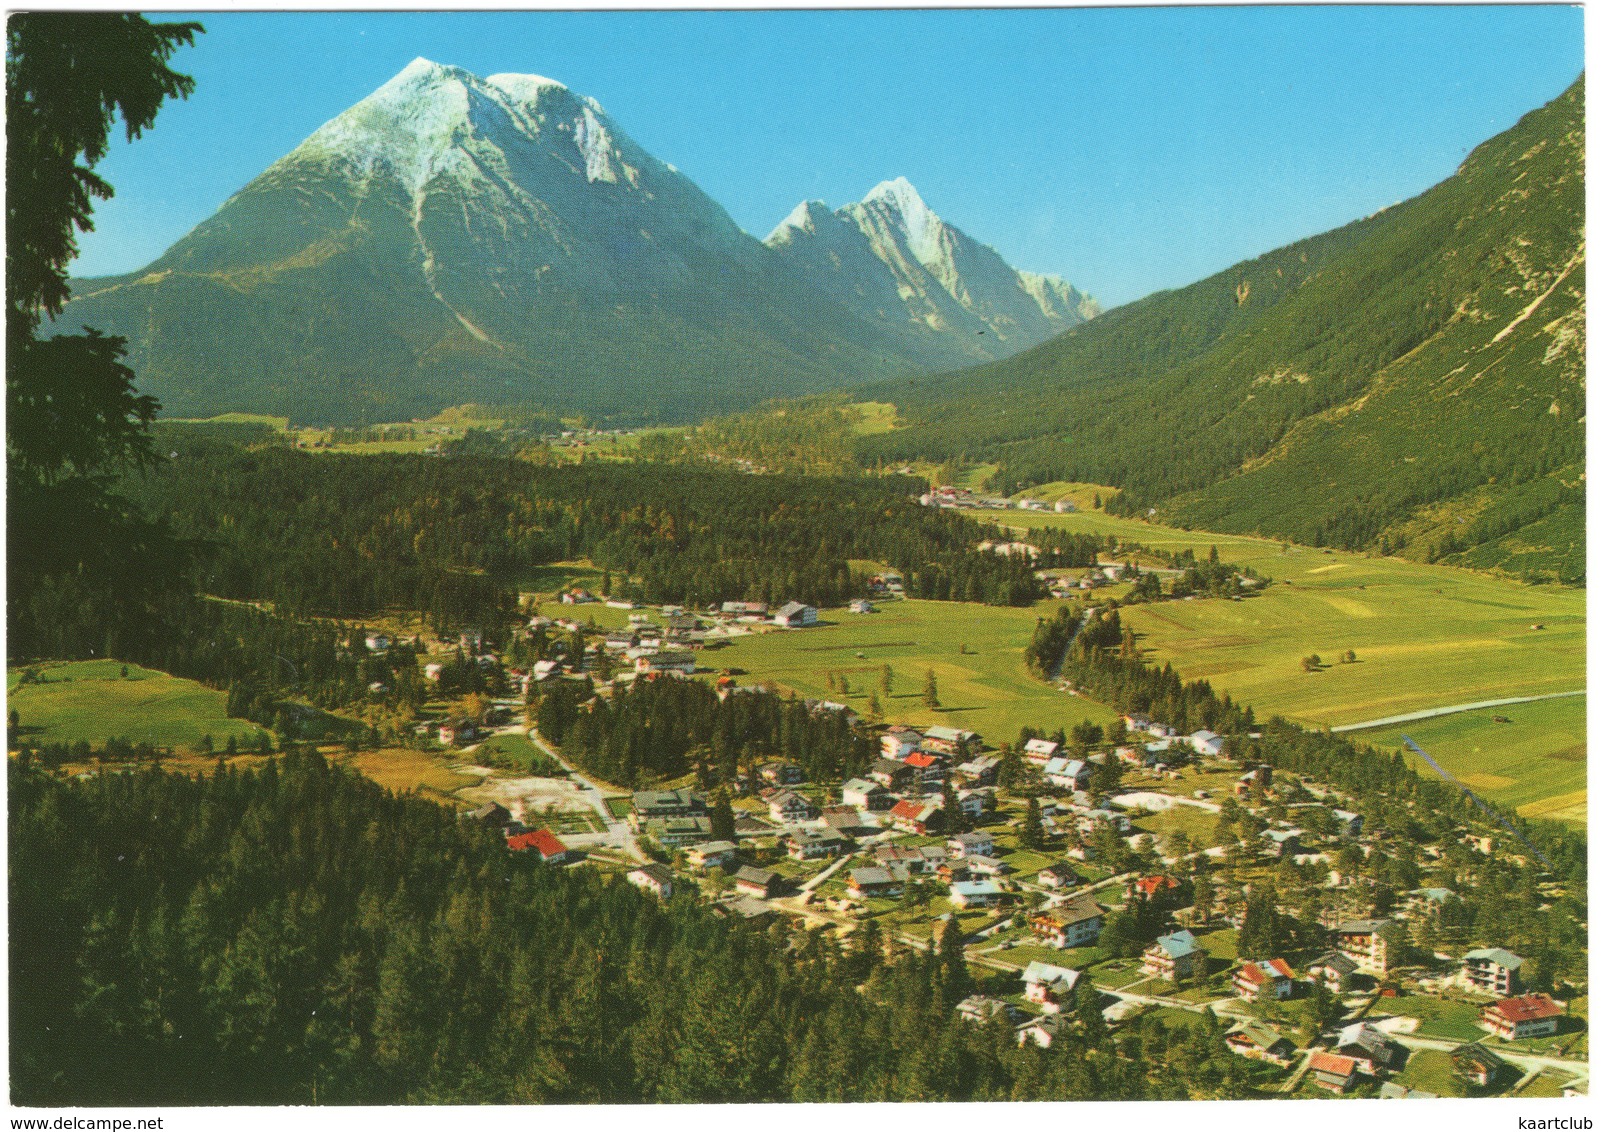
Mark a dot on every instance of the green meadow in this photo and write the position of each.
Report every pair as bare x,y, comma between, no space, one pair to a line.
1424,636
984,688
1536,762
91,700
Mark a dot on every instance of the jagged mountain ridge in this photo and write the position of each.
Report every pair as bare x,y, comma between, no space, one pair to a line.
914,270
499,240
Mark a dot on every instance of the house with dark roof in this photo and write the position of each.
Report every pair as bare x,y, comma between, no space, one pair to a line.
1261,1042
874,881
1333,970
807,845
1477,1064
1058,876
795,615
653,878
1075,923
759,883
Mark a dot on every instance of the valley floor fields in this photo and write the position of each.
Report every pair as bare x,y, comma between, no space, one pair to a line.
1424,636
1531,756
984,688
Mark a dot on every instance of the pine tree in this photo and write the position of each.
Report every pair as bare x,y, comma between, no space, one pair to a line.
932,699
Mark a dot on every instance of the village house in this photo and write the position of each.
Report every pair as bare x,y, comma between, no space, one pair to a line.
1369,1048
898,742
806,845
979,771
543,843
1333,1071
759,883
781,774
711,855
1048,986
648,804
1284,842
972,844
675,833
1261,1042
789,806
492,814
1477,1064
1207,743
978,802
981,865
893,776
865,795
377,642
1349,824
1525,1016
1067,774
1493,970
1333,971
1264,979
1156,887
1255,778
950,741
916,817
1058,876
665,663
795,615
1363,942
874,881
1039,751
929,771
457,732
1392,1091
1045,1029
919,861
653,878
980,1008
1174,956
860,605
1075,923
975,894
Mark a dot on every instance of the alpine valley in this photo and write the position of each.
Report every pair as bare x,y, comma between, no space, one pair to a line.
456,239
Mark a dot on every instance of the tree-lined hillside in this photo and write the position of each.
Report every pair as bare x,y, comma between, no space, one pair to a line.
1409,383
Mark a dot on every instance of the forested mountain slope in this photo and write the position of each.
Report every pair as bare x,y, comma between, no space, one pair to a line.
1412,382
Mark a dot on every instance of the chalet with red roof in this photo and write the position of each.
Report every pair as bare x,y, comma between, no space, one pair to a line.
1526,1016
542,842
916,817
1264,978
1333,1071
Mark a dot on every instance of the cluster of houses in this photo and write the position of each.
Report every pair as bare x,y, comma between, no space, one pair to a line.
961,497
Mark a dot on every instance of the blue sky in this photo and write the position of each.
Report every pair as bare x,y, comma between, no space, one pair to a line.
1126,149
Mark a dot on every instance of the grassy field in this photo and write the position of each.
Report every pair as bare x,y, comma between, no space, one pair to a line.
90,700
1451,1021
405,770
985,689
1537,762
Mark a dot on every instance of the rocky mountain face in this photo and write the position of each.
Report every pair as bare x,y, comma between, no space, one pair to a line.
913,272
453,238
